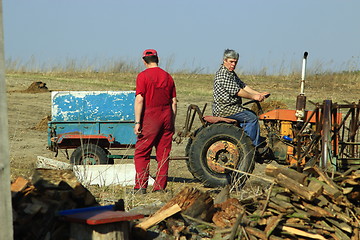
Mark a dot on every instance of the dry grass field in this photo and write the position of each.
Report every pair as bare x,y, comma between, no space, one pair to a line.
26,110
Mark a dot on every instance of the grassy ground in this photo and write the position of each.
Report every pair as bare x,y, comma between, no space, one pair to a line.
26,110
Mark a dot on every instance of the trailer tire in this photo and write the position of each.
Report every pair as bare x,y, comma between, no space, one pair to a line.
219,145
89,154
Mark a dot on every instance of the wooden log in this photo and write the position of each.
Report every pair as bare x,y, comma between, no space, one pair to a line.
355,235
324,177
158,217
322,201
200,221
296,187
272,223
316,187
341,225
109,231
256,232
300,214
330,191
340,234
274,206
274,171
227,212
321,226
319,210
223,195
281,203
193,203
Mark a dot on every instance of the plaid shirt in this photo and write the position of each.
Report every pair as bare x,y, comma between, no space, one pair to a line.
226,86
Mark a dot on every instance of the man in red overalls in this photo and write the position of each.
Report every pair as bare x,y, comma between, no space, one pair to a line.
155,111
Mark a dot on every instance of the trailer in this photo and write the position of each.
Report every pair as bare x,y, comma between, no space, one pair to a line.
91,123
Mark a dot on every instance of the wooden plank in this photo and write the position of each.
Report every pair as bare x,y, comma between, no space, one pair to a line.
159,216
302,233
19,184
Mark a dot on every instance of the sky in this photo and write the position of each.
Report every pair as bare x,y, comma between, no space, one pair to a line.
191,35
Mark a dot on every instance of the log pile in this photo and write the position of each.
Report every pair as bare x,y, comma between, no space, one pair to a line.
36,203
308,205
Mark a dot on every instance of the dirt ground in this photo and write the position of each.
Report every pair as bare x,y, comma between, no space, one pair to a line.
29,108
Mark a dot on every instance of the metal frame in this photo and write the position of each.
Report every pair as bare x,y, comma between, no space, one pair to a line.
336,139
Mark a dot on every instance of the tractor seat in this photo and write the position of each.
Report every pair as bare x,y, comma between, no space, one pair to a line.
213,119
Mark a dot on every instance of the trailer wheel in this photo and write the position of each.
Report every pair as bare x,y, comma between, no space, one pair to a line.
89,154
217,146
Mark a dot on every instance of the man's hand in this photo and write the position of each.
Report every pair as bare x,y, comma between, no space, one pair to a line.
137,129
261,96
258,97
265,94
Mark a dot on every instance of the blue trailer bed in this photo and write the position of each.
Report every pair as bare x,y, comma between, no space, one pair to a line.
96,120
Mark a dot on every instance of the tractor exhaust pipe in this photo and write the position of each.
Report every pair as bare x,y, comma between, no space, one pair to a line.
301,98
303,73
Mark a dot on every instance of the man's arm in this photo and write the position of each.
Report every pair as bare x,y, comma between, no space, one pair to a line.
174,107
139,103
248,92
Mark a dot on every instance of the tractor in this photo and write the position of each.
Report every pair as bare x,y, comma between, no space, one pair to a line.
327,136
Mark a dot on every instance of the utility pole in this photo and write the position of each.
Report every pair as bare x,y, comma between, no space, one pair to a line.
6,223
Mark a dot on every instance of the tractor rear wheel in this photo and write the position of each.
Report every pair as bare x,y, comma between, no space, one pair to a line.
218,146
89,154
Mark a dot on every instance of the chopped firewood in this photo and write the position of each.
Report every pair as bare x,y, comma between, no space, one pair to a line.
158,217
319,210
275,206
256,232
272,223
193,203
323,176
223,195
35,209
227,212
273,171
281,203
341,225
49,178
302,233
19,184
296,187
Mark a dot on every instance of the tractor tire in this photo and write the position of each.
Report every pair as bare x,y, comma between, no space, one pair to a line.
187,149
89,154
218,145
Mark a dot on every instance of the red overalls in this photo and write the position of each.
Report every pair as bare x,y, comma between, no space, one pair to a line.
158,89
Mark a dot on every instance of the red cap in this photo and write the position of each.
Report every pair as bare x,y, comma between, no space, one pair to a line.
149,52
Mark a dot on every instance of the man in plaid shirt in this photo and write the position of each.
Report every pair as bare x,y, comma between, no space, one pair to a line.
228,93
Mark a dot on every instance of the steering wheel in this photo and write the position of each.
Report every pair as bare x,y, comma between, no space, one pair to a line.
257,103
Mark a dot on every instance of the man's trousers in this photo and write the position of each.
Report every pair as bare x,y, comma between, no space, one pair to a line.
157,131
